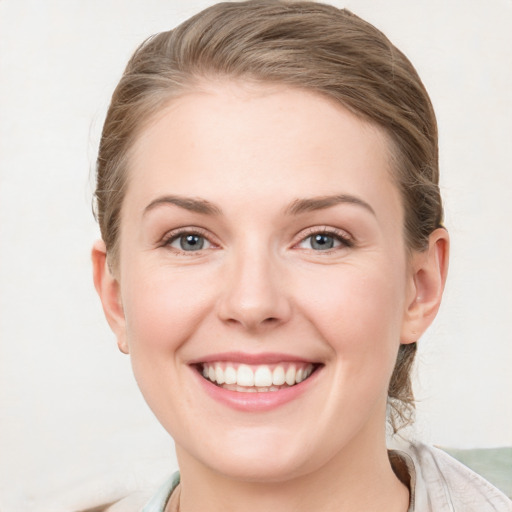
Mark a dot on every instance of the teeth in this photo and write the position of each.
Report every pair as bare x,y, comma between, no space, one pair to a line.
290,375
278,376
219,374
244,376
230,375
262,378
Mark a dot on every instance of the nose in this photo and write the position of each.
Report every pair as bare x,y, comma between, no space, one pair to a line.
253,294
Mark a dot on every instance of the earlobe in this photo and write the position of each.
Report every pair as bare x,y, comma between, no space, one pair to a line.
108,290
429,271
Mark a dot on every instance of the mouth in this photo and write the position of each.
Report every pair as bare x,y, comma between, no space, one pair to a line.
261,378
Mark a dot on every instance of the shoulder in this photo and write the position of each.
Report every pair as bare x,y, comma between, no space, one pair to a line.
443,483
115,492
142,501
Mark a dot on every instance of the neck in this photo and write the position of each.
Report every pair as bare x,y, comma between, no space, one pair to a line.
360,477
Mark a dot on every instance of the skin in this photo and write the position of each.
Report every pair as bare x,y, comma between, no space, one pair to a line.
260,286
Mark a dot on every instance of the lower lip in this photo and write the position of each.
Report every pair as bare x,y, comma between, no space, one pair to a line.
259,401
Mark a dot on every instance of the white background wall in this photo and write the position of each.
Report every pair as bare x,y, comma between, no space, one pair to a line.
69,409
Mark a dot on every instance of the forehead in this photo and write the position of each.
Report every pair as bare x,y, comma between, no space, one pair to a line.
229,138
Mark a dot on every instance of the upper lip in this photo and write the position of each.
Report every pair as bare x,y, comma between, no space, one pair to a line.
251,359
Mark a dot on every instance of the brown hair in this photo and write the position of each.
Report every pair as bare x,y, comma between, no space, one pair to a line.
307,45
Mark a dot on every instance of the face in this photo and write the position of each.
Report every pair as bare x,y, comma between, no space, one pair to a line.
263,279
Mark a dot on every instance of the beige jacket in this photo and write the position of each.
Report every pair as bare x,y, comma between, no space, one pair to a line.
438,483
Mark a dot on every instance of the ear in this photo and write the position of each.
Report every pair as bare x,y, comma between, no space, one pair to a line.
108,289
426,284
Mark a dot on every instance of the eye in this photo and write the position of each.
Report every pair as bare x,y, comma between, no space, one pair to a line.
188,242
325,241
321,242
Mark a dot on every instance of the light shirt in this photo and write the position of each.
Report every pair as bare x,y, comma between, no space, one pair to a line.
438,483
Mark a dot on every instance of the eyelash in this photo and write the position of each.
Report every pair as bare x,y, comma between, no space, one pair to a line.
338,235
346,241
175,235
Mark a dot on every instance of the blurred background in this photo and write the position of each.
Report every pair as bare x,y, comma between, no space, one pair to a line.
71,416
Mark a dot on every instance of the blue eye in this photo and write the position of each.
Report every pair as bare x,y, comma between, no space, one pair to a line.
190,242
324,241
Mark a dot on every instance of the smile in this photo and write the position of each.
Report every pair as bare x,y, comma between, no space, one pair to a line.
256,378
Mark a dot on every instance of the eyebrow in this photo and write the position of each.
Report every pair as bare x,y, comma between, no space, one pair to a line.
188,203
322,202
297,207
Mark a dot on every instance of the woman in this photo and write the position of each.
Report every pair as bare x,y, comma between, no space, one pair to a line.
272,249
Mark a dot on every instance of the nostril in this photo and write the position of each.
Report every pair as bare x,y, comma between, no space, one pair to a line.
247,323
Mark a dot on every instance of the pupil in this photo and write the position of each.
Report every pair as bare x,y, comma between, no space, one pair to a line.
191,242
322,242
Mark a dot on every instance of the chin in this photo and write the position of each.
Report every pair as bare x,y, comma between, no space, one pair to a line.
274,455
268,468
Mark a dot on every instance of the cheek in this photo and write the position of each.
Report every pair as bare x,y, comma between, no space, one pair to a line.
162,307
162,310
358,313
358,310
